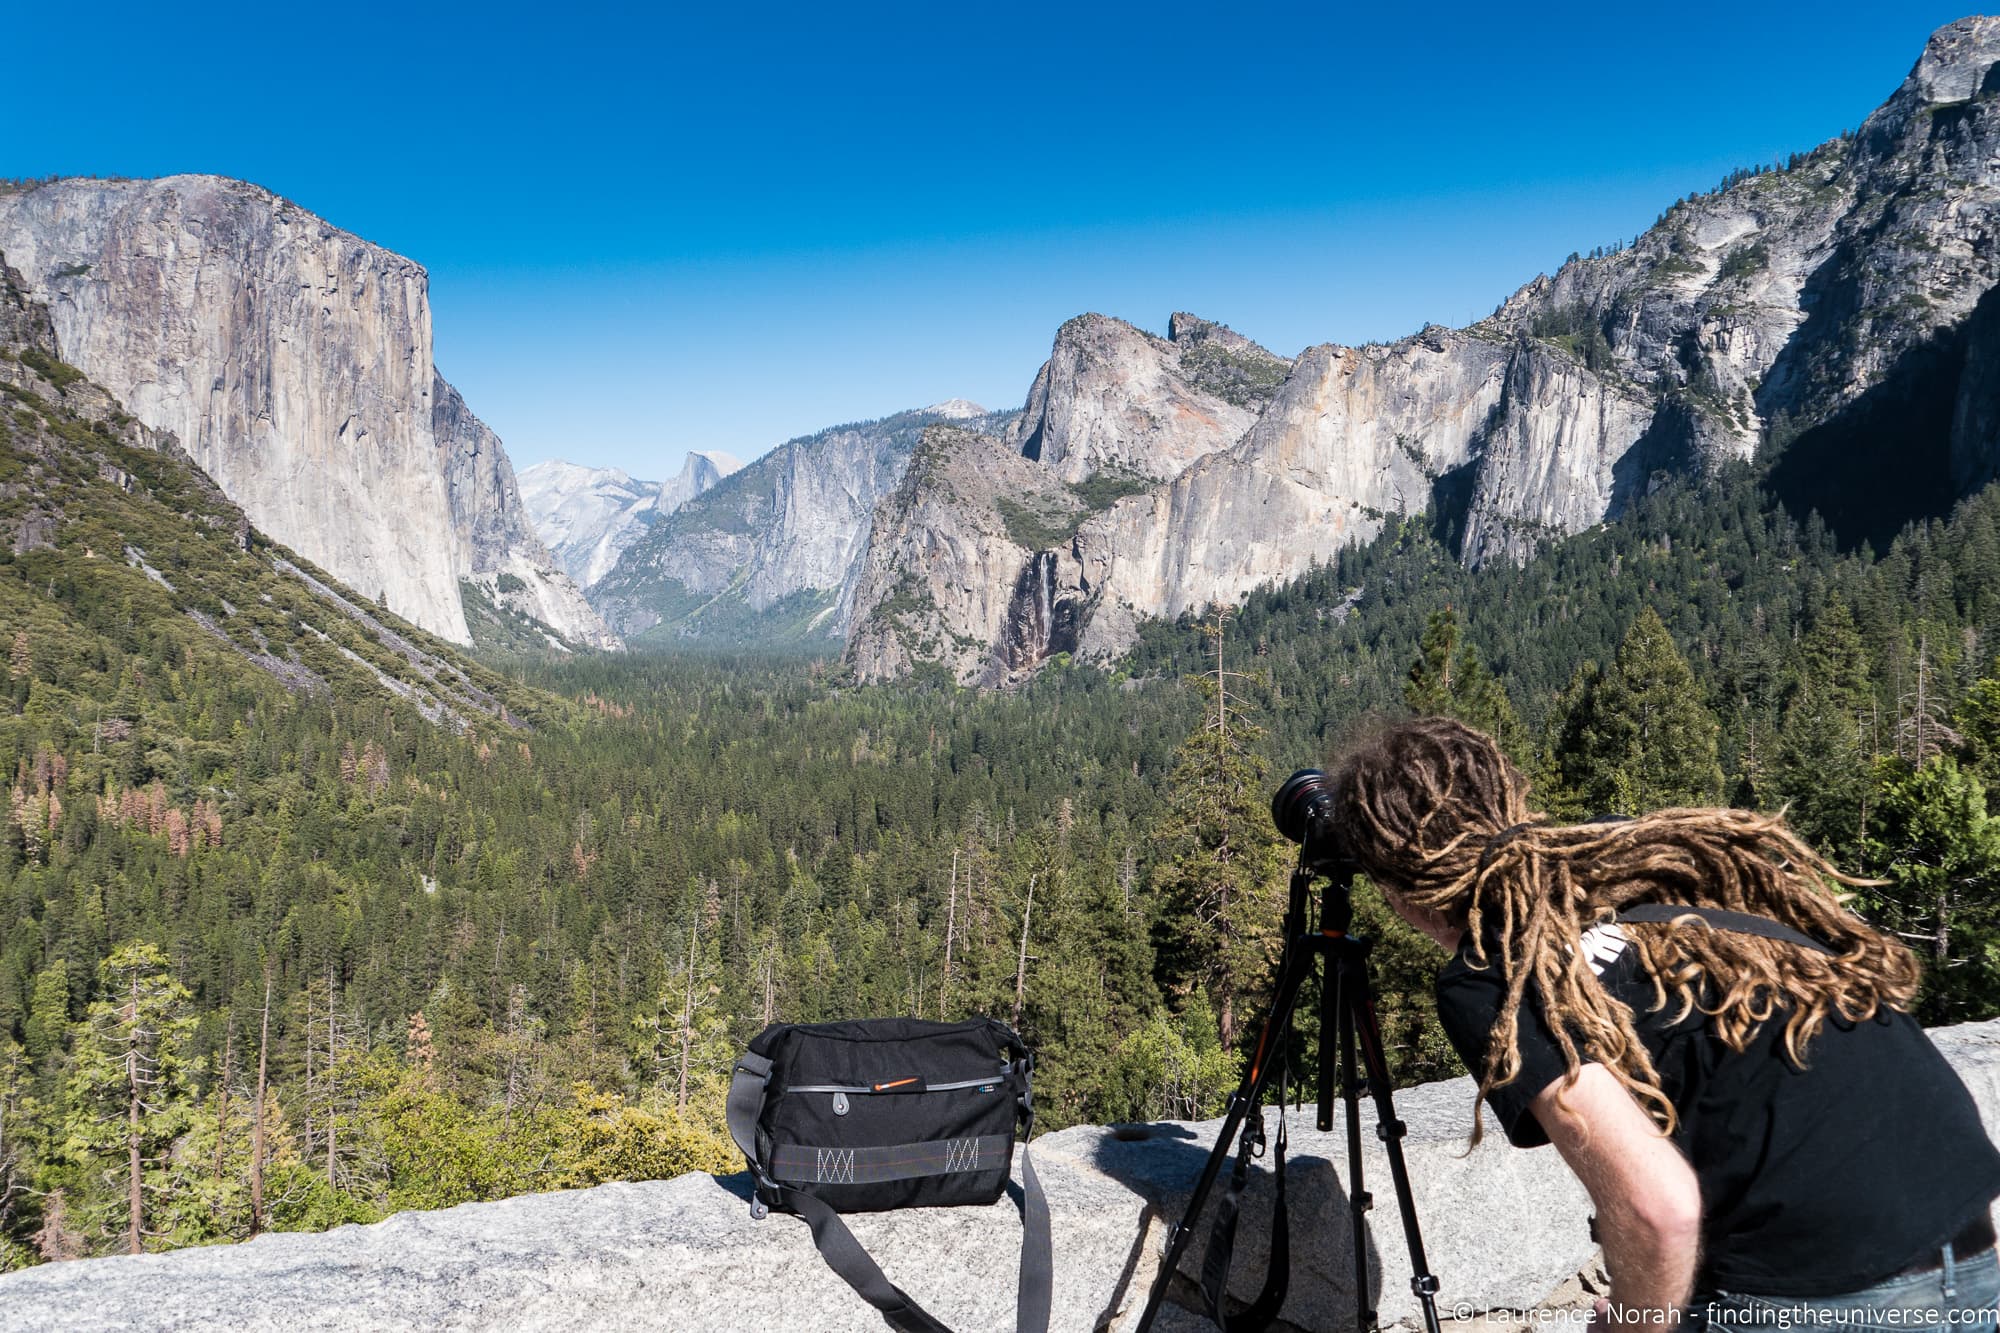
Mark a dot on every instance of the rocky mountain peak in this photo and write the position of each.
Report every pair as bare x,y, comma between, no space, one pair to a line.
723,463
952,574
98,496
589,516
770,553
500,559
955,409
1958,62
557,474
1113,398
1185,330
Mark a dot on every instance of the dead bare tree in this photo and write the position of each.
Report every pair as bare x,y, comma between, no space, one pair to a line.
257,1118
950,935
1021,969
222,1093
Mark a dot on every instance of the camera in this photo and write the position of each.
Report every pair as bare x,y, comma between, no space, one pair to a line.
1303,812
1304,805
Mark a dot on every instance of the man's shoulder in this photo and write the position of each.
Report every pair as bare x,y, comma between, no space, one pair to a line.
1470,990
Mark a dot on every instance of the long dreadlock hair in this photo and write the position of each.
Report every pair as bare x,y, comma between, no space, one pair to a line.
1432,809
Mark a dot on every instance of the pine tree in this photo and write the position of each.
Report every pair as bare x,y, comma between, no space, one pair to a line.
1823,766
1822,775
130,1090
418,1053
1978,723
15,1115
260,1108
1173,1067
1933,839
1835,660
1217,880
1922,734
334,1051
688,1042
209,1173
48,1011
1449,680
1639,737
1090,985
520,1053
57,1239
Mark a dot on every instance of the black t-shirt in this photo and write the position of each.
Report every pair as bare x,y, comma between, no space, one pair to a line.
1814,1181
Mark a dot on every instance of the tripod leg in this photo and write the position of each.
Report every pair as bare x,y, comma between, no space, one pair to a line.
1329,1019
1358,1010
1359,1201
1293,969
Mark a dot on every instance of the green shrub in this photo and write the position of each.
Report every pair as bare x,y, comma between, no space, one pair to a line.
50,369
1745,260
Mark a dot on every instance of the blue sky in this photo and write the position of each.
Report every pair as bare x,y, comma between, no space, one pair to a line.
657,229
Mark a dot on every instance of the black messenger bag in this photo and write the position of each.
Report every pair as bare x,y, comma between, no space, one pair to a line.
890,1113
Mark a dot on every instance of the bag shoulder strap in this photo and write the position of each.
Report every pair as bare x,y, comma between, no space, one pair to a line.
1720,918
748,1082
845,1255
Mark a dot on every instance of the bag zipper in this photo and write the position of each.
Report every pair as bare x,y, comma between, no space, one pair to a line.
959,1086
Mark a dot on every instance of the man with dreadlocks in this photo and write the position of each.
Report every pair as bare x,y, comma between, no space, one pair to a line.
1764,1130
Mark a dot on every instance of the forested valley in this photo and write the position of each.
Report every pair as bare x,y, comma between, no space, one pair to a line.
277,960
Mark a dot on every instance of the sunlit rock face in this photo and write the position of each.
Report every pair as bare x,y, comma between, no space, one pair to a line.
1112,398
294,362
951,576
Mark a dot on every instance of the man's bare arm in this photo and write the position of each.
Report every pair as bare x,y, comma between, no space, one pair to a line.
1648,1200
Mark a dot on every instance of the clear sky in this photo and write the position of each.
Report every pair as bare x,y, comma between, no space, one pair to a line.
658,229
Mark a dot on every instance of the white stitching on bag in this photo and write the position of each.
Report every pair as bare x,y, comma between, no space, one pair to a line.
834,1166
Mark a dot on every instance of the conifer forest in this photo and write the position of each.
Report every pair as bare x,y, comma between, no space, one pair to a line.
278,960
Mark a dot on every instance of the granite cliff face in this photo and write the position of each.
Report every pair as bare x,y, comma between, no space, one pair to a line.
951,575
95,497
1836,314
589,516
1112,398
497,551
1353,436
1826,310
294,363
771,553
700,471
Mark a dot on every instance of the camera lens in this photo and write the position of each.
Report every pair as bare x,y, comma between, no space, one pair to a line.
1304,805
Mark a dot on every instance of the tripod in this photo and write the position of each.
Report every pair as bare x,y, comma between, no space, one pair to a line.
1347,1017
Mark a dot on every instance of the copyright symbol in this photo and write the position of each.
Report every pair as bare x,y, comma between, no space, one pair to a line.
1463,1310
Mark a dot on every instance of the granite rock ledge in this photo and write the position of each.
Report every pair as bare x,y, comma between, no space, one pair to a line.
1505,1230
